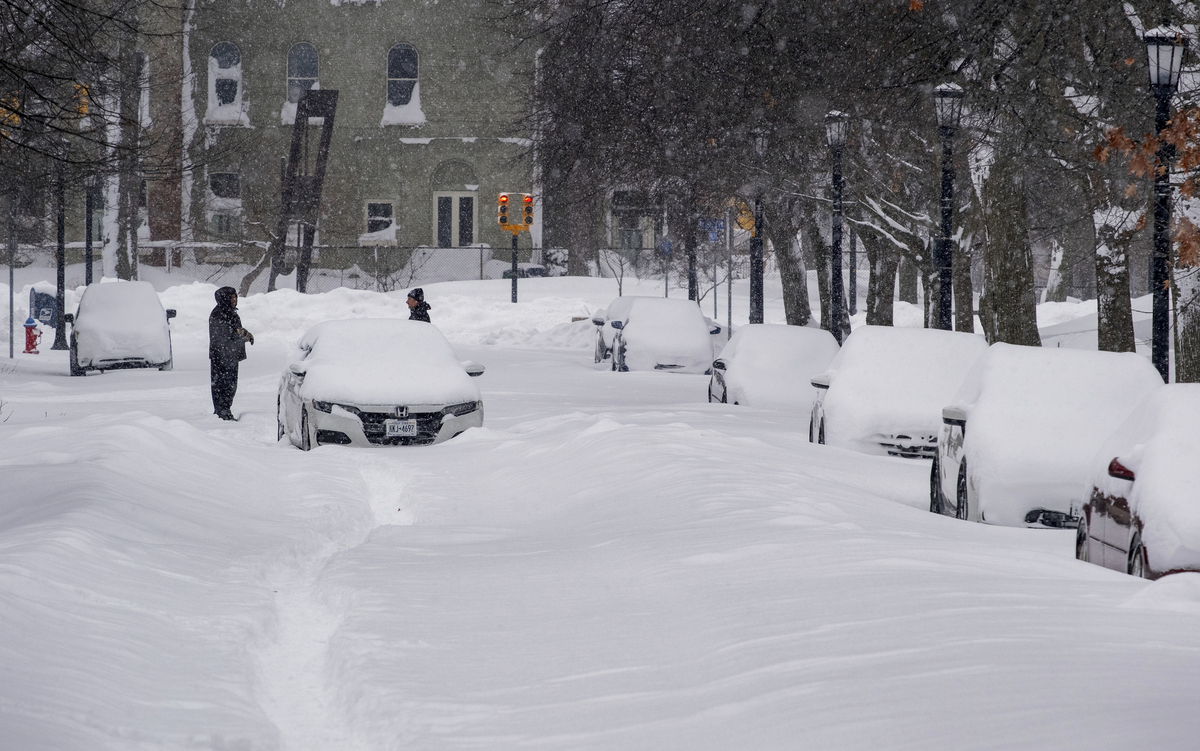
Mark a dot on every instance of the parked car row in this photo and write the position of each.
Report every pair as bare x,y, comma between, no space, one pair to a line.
1018,436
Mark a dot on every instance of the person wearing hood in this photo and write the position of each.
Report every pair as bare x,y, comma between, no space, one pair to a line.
226,348
418,309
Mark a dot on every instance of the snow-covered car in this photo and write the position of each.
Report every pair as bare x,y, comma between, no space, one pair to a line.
120,325
770,365
660,333
617,310
375,382
1142,515
884,391
1017,439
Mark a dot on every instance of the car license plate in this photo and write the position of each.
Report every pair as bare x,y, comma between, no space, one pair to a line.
401,428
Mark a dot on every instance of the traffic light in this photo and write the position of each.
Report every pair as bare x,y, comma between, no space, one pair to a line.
527,208
502,210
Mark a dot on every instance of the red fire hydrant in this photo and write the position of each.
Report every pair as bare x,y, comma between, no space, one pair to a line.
32,336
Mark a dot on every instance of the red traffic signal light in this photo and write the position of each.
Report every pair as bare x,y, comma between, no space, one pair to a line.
527,208
502,210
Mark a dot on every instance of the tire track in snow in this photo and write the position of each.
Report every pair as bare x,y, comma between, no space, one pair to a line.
296,689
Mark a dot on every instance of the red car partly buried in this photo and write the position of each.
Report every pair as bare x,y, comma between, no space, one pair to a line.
1143,515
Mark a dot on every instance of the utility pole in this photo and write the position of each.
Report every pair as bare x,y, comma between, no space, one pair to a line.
60,299
756,264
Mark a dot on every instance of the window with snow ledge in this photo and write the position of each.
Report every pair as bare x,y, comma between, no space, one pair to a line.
403,89
381,225
303,73
223,205
225,105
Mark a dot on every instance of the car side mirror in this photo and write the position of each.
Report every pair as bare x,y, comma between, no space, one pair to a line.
170,313
954,416
473,369
1120,471
715,330
718,364
820,381
598,320
69,318
616,325
298,369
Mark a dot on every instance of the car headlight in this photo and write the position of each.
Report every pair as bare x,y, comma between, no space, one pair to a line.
458,410
323,406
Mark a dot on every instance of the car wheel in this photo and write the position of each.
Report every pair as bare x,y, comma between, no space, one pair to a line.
305,438
1082,546
963,507
1137,558
279,431
75,369
599,354
710,396
619,359
168,365
821,432
935,488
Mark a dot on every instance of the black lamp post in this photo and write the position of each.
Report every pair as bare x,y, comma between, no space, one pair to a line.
1164,47
837,124
757,239
60,300
947,104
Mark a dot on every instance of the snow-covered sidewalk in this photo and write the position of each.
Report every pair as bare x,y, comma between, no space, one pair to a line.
611,563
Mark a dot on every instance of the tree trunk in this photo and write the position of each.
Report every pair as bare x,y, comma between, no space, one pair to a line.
784,233
129,180
1187,322
1007,307
820,251
1113,306
582,220
909,281
1056,287
881,285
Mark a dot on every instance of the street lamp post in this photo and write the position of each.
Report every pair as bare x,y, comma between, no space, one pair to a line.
757,239
1164,48
836,126
60,300
947,105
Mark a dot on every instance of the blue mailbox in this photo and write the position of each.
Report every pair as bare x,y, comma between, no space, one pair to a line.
43,307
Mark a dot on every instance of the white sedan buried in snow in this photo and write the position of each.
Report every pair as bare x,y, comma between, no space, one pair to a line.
368,382
884,392
120,325
617,311
659,333
1143,513
1017,440
769,365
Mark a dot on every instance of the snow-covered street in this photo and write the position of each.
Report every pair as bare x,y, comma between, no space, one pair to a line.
610,563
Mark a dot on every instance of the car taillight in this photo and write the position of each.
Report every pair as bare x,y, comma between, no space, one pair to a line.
1120,471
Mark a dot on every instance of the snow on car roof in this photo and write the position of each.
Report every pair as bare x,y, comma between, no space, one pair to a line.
772,364
121,298
1039,414
383,361
120,320
888,379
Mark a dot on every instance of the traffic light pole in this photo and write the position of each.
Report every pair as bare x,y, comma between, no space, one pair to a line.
514,266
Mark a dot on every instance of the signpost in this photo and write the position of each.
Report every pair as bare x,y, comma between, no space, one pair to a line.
666,251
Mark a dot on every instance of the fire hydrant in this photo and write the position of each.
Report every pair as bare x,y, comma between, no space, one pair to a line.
32,336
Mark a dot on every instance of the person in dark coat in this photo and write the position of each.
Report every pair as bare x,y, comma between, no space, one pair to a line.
418,309
226,348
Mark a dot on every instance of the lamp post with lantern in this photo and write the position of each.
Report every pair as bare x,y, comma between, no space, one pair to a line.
837,124
947,105
1164,48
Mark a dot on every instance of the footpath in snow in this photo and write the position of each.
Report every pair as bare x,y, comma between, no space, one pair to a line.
610,563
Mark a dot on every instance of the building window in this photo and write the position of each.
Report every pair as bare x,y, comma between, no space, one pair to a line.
455,219
225,185
402,74
379,216
225,70
302,70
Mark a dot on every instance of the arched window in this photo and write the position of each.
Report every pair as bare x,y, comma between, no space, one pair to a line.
302,70
402,74
225,70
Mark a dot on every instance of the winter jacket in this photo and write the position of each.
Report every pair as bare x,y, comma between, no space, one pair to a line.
226,337
420,312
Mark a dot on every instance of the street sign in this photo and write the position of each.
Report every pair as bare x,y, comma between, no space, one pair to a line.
666,247
713,235
712,225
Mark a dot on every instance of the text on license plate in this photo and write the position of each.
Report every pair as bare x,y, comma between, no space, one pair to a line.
397,428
